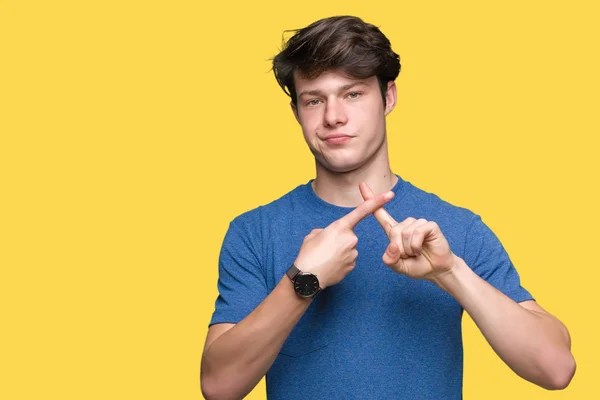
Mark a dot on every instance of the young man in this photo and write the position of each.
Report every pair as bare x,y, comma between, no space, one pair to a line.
289,306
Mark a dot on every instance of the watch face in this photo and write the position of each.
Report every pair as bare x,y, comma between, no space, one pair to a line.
306,285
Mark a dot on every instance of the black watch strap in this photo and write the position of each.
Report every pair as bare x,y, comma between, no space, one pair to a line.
292,272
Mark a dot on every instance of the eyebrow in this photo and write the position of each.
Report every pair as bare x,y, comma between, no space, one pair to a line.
341,89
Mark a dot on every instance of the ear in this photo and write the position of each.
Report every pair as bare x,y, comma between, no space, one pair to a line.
390,97
295,111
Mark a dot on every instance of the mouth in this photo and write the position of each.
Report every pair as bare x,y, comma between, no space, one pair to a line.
337,139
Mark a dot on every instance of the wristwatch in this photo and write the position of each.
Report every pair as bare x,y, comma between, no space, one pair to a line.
305,283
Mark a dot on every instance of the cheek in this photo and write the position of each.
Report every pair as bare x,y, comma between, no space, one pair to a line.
304,119
372,119
309,126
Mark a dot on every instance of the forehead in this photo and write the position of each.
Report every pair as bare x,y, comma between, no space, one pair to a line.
328,81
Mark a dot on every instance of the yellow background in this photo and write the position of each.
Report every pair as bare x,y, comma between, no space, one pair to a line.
132,132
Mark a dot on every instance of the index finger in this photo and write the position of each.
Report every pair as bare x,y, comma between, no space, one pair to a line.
365,208
386,221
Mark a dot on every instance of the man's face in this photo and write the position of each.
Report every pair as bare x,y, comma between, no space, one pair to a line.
342,118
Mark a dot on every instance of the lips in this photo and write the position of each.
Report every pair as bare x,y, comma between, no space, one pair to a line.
337,138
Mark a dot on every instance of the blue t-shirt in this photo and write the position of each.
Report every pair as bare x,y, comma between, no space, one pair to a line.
376,334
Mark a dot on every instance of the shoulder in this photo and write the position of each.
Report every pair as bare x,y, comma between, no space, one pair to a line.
454,221
271,212
249,232
432,207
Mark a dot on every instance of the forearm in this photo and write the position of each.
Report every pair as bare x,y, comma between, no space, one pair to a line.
238,359
533,344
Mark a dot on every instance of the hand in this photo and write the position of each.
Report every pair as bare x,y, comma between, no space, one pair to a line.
331,253
417,248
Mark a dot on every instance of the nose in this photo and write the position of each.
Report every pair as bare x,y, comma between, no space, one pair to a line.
335,115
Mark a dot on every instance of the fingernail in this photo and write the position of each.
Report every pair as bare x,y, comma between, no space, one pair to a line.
388,195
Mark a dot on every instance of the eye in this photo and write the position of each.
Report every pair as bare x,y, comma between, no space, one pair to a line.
354,95
313,102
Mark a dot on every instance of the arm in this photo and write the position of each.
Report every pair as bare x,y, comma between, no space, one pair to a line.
237,356
529,340
533,343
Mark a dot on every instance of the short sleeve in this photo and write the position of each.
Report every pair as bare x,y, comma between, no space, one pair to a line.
242,283
487,258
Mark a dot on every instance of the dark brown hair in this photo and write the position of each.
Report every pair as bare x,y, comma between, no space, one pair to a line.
346,43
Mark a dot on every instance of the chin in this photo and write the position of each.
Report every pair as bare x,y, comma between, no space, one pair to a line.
341,168
350,159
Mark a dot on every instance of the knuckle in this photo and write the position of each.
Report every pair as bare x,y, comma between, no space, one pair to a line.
395,230
336,224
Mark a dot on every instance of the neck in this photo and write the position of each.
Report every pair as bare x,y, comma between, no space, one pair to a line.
341,188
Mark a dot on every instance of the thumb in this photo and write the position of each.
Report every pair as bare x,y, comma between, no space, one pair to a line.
392,254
